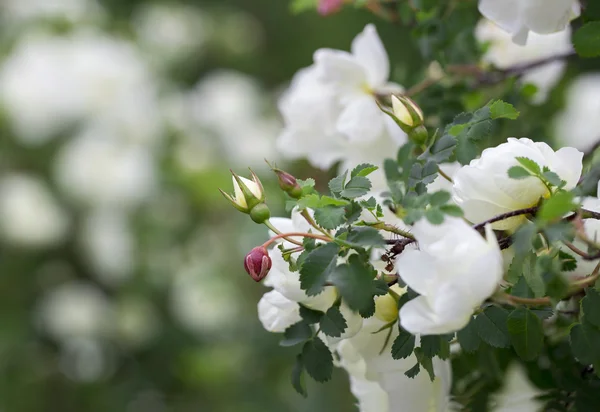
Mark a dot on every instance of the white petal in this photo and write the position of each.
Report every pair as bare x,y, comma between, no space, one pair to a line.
370,53
277,313
361,120
505,13
341,70
417,270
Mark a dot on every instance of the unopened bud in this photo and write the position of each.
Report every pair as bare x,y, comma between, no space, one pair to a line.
407,112
419,135
260,213
386,306
288,183
246,193
257,263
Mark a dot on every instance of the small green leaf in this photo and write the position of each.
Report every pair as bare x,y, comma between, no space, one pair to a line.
297,376
354,281
297,333
591,306
364,170
307,185
503,110
479,131
333,323
337,184
435,216
452,210
526,333
330,217
585,343
365,237
317,360
530,165
316,268
441,150
357,186
403,345
556,206
414,371
518,172
439,198
431,345
310,315
468,338
426,362
491,327
587,40
553,178
533,276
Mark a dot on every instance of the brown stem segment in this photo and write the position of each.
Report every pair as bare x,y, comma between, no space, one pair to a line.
295,234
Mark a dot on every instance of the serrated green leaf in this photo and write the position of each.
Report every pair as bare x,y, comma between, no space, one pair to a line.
333,323
336,185
365,237
518,172
310,315
479,131
307,185
426,362
317,360
568,261
431,345
354,281
441,150
457,129
591,306
330,217
353,212
556,206
297,333
298,6
466,150
414,371
553,178
529,164
503,110
357,186
468,338
403,345
364,170
317,267
297,377
587,40
526,333
491,327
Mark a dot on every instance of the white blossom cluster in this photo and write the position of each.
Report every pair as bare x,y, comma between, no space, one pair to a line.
453,267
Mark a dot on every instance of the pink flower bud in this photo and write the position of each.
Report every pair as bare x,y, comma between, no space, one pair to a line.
257,263
288,183
327,7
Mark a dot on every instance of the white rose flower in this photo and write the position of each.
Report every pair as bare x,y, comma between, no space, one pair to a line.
454,271
276,312
519,17
484,190
29,213
330,112
579,122
503,53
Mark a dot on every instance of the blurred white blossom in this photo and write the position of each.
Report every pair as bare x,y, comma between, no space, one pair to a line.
503,53
109,245
84,360
171,33
74,11
137,321
101,170
579,123
520,17
29,213
76,309
50,84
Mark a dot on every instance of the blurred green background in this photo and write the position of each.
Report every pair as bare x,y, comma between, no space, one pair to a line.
121,278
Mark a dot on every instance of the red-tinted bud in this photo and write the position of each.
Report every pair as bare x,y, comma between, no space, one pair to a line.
288,183
327,7
257,263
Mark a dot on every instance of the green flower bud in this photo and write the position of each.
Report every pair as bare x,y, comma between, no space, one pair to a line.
260,213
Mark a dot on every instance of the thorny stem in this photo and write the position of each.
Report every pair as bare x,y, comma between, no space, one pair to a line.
300,234
508,215
391,229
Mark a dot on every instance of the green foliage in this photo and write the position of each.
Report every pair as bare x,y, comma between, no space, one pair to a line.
557,206
526,333
317,267
330,217
491,327
297,377
590,305
317,359
297,333
355,283
500,110
403,345
468,337
587,40
333,323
